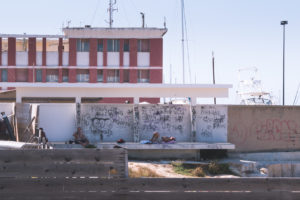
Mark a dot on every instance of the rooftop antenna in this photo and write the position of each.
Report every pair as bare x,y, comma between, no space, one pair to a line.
213,69
111,9
182,40
165,22
143,19
68,23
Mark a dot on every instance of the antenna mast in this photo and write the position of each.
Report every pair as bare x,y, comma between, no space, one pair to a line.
182,40
111,9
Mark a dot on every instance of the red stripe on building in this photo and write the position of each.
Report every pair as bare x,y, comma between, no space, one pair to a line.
72,52
104,52
156,52
60,75
11,52
72,75
155,76
93,52
133,52
0,54
121,52
44,52
60,51
121,75
104,75
116,100
11,75
32,52
150,100
133,75
93,75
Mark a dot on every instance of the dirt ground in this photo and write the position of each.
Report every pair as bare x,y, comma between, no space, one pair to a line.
165,169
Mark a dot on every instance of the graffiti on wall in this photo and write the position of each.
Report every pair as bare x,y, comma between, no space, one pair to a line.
167,118
103,119
212,123
272,130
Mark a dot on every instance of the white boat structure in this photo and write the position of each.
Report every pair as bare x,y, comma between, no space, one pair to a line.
250,91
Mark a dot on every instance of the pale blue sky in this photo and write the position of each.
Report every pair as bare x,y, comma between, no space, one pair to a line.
242,33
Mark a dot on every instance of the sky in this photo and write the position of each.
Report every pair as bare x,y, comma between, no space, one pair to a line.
242,34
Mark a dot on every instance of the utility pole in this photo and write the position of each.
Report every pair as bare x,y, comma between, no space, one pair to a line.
283,23
111,9
213,68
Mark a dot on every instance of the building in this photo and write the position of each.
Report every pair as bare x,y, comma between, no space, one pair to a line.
84,55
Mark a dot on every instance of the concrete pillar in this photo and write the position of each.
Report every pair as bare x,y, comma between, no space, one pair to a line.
135,127
193,123
78,100
155,75
194,101
93,52
136,100
78,114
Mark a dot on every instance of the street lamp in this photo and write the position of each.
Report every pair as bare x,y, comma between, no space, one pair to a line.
283,23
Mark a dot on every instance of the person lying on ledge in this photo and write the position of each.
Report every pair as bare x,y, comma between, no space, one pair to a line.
80,137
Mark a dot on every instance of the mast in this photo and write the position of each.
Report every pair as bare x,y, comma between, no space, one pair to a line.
111,9
182,40
213,68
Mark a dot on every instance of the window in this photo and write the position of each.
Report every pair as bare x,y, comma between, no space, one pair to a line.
38,75
4,45
143,46
143,76
52,45
4,75
126,76
113,76
21,44
126,45
100,46
113,45
52,75
99,75
83,75
65,75
83,45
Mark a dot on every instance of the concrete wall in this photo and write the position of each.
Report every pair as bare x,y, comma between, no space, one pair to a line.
168,120
264,128
58,121
211,123
107,123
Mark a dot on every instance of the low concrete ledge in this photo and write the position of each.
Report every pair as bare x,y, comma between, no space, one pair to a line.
177,146
138,146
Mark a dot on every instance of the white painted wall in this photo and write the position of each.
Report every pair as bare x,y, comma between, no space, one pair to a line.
4,58
52,58
126,59
143,59
39,58
113,58
58,121
22,58
99,58
8,108
211,123
112,121
65,59
83,59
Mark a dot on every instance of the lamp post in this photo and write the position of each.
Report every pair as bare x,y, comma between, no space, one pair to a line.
283,23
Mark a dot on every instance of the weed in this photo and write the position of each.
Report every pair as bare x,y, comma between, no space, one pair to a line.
198,172
142,172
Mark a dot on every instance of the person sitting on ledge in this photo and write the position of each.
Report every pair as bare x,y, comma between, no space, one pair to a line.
80,137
